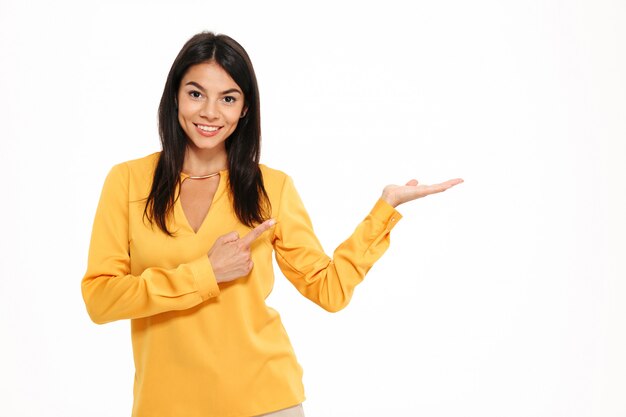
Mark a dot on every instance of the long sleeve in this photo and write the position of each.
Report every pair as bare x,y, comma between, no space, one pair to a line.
109,290
325,281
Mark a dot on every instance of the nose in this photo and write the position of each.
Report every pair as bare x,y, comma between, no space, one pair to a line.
209,110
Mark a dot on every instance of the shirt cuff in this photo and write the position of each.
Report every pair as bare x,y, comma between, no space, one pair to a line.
386,213
204,277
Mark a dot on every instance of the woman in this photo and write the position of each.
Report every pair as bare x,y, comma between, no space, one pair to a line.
182,245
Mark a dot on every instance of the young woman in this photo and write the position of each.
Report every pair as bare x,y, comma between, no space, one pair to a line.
182,245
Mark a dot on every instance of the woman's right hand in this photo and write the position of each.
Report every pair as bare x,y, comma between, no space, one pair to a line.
230,256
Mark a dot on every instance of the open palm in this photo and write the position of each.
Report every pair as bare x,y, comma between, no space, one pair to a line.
398,194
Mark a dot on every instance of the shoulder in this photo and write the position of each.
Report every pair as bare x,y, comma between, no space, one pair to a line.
134,175
275,182
141,169
143,164
272,176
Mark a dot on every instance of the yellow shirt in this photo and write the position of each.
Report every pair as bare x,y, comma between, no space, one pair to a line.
202,349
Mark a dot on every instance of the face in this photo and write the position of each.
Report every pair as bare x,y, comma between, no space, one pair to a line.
210,104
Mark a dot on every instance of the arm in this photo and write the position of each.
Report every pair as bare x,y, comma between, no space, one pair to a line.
109,290
325,281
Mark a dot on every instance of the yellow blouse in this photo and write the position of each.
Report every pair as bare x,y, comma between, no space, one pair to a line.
202,349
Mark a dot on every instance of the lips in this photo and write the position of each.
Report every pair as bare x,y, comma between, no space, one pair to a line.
206,130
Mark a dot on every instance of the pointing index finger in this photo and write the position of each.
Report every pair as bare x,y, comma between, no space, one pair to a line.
257,231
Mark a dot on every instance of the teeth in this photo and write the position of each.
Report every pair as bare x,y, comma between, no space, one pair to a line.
208,128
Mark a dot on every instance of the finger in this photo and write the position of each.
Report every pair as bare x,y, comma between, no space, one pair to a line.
437,188
450,183
412,182
256,232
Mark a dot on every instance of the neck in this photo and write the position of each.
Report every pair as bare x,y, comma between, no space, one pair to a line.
199,162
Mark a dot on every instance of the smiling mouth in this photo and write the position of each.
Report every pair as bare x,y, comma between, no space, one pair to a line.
208,129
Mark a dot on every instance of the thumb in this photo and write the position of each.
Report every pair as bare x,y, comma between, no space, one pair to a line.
230,237
412,182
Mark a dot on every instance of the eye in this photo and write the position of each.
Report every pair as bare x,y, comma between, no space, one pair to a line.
195,94
230,99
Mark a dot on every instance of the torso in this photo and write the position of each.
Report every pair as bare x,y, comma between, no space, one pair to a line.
251,340
196,196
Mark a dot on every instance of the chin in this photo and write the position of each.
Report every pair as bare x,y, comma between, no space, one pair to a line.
205,144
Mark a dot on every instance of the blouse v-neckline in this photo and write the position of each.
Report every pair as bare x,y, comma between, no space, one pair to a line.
178,207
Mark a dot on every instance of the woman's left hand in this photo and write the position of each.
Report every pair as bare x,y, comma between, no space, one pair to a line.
398,194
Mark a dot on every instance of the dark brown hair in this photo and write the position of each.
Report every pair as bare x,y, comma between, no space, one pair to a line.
250,201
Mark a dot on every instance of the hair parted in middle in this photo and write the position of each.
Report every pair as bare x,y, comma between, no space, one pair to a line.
243,147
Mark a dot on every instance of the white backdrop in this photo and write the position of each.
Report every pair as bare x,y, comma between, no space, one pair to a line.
501,297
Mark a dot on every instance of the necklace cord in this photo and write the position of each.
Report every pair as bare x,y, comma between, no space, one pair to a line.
200,177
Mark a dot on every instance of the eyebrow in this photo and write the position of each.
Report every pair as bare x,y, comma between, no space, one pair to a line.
199,87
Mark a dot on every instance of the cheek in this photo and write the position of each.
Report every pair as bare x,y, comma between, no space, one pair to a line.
235,121
185,121
181,121
184,113
234,115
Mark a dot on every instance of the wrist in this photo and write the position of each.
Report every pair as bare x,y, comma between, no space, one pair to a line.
389,199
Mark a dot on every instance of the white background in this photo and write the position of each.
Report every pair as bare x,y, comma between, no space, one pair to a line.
502,297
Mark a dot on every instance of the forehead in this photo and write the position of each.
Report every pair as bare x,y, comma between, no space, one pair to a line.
209,74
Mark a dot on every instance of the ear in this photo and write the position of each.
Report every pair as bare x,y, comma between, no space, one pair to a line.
243,113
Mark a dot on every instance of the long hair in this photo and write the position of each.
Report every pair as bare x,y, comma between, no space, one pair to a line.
249,198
